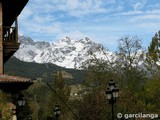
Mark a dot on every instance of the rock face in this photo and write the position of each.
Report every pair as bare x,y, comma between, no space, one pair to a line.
67,52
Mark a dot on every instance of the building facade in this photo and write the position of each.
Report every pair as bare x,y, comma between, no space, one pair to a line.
9,12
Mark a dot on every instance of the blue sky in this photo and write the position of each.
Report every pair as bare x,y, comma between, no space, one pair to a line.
103,21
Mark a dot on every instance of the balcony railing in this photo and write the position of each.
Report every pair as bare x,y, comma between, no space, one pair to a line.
10,34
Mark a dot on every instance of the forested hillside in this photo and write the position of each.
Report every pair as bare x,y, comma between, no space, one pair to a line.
35,70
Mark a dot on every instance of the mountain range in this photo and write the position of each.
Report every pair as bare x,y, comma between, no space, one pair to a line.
36,59
66,52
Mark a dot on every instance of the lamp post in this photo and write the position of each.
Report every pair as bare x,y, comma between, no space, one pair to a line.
30,118
57,111
21,100
112,94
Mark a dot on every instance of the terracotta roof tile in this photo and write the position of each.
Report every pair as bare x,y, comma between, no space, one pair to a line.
6,78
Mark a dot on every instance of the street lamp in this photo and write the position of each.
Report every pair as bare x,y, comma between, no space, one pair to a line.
112,94
29,118
57,111
21,100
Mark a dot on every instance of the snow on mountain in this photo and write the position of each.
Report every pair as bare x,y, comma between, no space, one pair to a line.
67,52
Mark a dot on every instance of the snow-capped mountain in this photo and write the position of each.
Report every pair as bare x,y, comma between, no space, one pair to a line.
67,52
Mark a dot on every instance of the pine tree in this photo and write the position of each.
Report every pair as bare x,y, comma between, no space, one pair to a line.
61,87
62,94
154,48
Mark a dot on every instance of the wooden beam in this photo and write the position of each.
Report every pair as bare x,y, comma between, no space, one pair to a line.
16,25
1,40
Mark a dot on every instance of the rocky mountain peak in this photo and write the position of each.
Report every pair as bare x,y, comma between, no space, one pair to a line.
67,52
25,40
66,40
85,40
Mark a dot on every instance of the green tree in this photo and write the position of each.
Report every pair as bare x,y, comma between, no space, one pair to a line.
130,51
154,48
60,95
130,54
153,56
152,95
37,95
93,105
5,111
133,76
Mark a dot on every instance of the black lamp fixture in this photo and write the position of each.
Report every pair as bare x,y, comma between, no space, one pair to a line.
21,100
29,118
112,93
57,111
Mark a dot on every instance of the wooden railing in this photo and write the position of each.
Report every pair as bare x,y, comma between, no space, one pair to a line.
10,34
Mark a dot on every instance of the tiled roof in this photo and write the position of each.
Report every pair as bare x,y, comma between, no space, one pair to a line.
14,84
6,78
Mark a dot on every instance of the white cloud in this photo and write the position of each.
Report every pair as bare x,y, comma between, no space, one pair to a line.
72,34
153,11
129,13
138,6
101,20
147,17
79,8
